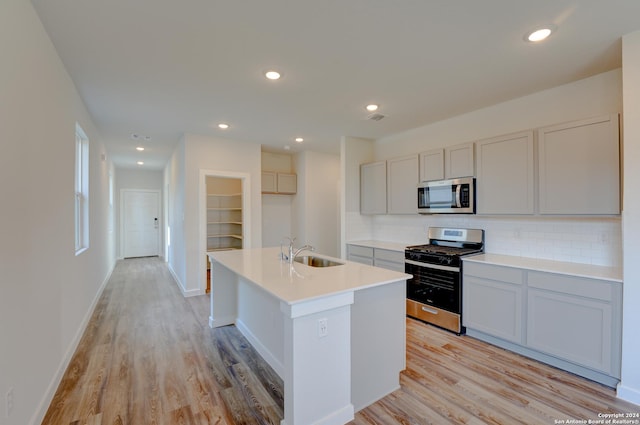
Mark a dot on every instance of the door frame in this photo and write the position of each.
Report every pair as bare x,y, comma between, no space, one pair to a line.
202,208
122,218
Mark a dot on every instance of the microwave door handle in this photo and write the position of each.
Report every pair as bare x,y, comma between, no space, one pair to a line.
458,190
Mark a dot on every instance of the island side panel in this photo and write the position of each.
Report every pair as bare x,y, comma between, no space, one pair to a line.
378,342
317,378
224,296
262,323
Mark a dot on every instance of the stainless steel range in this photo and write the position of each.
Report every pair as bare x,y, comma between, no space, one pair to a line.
434,293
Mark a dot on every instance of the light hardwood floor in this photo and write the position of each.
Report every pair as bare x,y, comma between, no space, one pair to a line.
149,357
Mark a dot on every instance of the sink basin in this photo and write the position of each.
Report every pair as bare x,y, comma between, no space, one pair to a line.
312,261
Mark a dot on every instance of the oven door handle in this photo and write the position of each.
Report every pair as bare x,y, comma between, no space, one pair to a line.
432,266
429,310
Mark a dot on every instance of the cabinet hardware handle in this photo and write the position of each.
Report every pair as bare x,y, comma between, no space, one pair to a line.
430,310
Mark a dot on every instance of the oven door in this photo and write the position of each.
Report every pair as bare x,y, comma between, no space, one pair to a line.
434,285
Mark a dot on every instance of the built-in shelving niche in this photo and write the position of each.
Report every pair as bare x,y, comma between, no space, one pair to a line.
224,215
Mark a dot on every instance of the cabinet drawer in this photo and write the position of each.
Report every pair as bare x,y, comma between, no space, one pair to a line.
433,315
390,265
363,251
388,255
584,287
360,259
489,271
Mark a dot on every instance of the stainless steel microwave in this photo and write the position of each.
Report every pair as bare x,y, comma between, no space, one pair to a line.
455,196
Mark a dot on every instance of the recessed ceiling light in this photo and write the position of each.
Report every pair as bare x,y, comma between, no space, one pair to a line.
223,126
299,139
372,107
135,136
273,75
539,34
140,163
140,148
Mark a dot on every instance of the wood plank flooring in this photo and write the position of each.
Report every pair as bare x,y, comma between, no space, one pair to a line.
149,357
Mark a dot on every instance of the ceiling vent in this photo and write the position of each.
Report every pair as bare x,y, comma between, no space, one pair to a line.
375,117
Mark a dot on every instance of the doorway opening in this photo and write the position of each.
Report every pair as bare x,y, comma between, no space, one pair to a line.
225,216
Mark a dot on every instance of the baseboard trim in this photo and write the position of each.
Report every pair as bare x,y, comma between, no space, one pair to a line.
277,366
46,400
632,395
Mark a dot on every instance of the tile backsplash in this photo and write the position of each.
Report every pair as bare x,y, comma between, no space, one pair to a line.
595,241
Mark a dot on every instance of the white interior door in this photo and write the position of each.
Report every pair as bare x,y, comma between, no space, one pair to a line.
140,223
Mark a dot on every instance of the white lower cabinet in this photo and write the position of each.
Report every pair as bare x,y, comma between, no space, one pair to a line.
385,258
570,322
573,318
492,300
360,254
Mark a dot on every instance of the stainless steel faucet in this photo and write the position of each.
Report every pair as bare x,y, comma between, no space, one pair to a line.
292,253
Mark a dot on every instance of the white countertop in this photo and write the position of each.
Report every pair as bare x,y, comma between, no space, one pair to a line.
293,283
613,274
391,246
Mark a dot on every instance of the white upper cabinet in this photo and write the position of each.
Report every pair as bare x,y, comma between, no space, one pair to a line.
505,180
279,183
448,163
459,161
269,184
432,165
402,180
579,167
287,183
373,188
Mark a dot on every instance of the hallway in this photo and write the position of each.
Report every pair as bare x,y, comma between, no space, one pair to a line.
148,356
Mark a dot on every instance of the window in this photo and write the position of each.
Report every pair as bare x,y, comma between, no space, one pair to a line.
82,191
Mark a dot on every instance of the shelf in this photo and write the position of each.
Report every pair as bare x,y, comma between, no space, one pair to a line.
225,236
224,222
225,209
227,195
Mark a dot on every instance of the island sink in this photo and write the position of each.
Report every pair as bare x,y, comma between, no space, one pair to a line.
313,261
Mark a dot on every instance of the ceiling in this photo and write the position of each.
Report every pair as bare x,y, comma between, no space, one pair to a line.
162,68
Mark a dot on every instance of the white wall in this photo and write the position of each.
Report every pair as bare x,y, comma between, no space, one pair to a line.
193,154
46,291
587,240
128,178
174,183
630,385
316,205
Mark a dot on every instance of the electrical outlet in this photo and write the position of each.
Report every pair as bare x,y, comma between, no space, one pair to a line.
323,329
9,402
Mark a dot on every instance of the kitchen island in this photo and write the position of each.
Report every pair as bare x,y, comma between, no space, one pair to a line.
335,335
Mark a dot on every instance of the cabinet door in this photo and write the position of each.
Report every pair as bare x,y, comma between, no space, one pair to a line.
387,259
505,183
360,254
269,182
432,165
373,188
579,167
402,181
287,183
573,328
459,161
493,307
